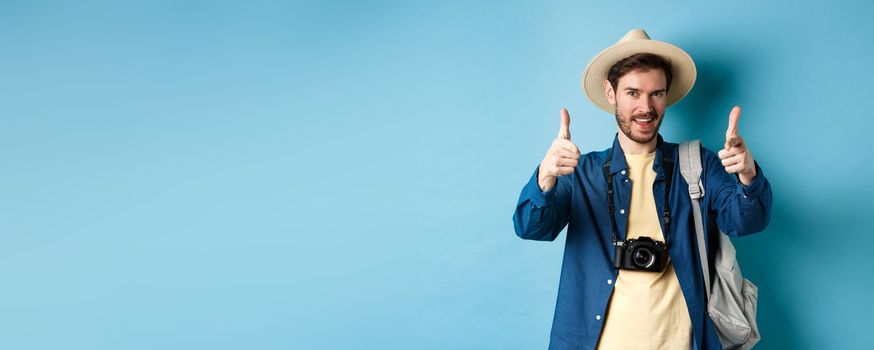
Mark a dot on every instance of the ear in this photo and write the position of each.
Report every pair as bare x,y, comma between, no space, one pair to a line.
608,91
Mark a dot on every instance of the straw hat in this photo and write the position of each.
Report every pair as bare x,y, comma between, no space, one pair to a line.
637,41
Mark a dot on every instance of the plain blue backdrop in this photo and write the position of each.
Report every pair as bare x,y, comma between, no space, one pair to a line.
342,175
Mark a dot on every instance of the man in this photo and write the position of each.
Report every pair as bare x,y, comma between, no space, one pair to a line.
645,302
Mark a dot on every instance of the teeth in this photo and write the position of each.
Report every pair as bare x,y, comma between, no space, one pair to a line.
645,120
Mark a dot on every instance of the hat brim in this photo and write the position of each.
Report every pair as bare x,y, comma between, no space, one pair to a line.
684,71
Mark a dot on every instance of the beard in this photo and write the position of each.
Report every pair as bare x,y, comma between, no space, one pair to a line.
625,124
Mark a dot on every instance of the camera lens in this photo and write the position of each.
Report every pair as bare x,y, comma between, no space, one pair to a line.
643,257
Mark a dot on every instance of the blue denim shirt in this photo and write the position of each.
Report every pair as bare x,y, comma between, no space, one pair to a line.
584,290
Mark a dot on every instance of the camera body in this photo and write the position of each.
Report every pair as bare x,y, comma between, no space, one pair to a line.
641,254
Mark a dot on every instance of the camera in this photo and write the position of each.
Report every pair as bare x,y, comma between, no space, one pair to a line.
642,254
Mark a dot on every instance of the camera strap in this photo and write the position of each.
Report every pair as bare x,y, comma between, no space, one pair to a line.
668,165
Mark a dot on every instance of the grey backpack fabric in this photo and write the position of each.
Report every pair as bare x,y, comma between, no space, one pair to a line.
732,300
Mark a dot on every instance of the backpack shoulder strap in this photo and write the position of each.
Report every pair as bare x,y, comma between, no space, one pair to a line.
690,167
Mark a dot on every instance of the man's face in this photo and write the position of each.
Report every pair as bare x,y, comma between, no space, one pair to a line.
639,103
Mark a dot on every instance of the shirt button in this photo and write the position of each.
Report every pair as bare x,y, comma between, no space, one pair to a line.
621,211
609,281
626,180
598,317
623,172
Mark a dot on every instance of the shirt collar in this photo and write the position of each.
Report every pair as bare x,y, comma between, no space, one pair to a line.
618,162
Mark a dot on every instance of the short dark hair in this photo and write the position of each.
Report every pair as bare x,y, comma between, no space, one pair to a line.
640,62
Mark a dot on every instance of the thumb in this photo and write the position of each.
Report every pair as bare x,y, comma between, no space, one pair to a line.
732,122
565,132
731,133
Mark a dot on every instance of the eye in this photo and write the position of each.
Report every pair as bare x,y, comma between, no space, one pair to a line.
632,93
659,94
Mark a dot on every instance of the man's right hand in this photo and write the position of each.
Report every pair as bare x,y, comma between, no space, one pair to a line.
562,157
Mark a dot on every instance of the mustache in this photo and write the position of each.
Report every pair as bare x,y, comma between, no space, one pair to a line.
652,115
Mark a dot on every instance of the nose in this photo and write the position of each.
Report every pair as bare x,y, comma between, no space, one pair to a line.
645,106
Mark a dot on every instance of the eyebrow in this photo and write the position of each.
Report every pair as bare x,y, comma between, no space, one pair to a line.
636,89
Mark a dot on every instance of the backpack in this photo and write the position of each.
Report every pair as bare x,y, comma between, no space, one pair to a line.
733,300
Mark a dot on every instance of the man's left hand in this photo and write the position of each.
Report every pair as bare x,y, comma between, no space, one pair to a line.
736,158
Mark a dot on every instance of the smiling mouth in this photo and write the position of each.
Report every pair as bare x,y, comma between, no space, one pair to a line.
644,123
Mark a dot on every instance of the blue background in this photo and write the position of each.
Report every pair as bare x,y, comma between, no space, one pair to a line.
333,175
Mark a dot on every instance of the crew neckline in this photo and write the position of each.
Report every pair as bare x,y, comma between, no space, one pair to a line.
641,155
